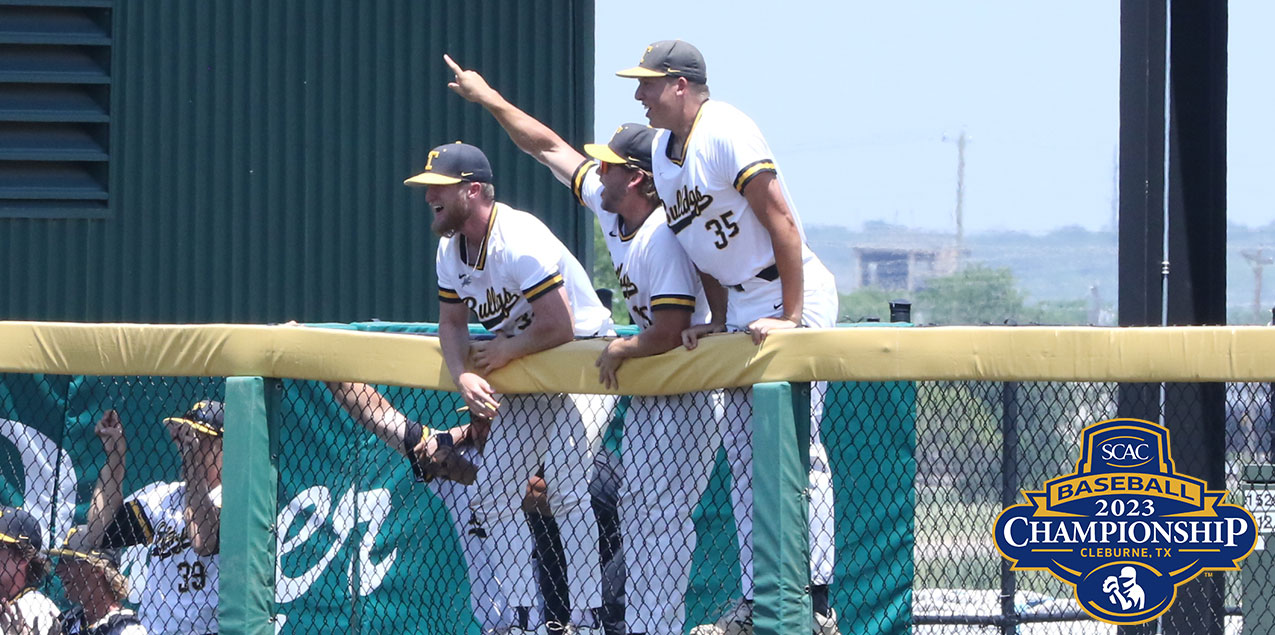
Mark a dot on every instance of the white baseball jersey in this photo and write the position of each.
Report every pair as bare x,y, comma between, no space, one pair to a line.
703,195
519,261
654,271
39,613
181,586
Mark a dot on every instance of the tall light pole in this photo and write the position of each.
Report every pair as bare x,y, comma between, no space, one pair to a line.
960,193
1257,261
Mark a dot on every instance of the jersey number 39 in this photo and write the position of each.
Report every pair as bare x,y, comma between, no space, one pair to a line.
193,576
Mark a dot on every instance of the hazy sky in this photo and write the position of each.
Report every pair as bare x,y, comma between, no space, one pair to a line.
862,102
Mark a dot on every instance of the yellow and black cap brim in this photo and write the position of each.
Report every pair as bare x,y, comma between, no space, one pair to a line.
639,72
18,527
431,178
629,146
93,558
195,425
670,58
603,153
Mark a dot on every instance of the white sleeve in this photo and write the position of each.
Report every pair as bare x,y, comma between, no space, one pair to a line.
674,282
586,184
536,267
448,280
739,151
214,495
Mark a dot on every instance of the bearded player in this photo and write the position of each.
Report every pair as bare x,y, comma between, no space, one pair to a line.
506,267
670,441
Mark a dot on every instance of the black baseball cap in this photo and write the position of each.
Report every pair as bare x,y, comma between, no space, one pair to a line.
670,58
19,527
453,163
629,146
208,417
77,546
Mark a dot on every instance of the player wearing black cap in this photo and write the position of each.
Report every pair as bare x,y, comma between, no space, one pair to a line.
727,203
23,609
93,582
670,441
506,267
179,522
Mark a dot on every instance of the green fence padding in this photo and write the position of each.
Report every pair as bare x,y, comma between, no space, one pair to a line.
781,551
249,476
346,563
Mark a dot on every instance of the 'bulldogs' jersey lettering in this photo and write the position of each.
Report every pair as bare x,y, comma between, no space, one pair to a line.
519,261
654,272
181,585
704,193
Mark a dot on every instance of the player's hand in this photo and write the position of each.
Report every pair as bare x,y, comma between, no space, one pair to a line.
186,439
763,327
12,620
690,337
608,362
491,354
111,432
469,84
478,395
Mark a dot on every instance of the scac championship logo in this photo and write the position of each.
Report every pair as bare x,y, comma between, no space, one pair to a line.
1125,530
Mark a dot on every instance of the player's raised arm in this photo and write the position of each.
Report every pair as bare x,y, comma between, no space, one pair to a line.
531,136
108,494
371,410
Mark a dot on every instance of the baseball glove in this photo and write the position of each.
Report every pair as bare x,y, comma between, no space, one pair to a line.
442,460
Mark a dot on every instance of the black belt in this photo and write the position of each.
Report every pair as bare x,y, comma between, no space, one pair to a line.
769,274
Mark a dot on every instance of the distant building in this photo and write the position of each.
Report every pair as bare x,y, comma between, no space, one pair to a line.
903,268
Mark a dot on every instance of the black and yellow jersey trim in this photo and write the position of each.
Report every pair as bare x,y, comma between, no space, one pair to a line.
129,527
544,286
681,156
482,251
577,180
673,301
619,227
448,295
413,434
751,171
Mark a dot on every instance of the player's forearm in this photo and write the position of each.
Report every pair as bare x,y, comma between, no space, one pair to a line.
645,344
373,412
107,498
766,197
792,280
715,293
535,138
203,524
542,335
453,339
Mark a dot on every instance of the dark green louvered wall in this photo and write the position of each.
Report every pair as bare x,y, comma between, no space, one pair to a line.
249,166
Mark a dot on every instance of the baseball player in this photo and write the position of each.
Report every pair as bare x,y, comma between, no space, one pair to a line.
92,579
448,461
509,270
725,201
665,464
23,609
178,521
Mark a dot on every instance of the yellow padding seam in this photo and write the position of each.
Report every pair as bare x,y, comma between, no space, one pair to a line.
1179,354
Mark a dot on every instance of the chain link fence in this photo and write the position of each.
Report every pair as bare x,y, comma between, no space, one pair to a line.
374,536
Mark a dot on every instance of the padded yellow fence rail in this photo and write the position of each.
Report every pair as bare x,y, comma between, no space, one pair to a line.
1185,354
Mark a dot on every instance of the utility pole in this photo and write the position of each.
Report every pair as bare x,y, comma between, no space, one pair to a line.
960,194
1257,261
